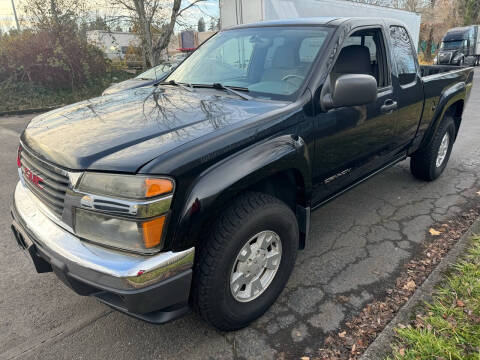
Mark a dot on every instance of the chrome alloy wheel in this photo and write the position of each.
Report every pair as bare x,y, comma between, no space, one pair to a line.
442,150
255,266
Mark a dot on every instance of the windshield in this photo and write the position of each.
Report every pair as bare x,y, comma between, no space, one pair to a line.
451,45
271,62
155,72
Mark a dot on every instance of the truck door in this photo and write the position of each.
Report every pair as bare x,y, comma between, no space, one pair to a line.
354,141
407,85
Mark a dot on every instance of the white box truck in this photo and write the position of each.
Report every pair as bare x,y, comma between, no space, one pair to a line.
234,12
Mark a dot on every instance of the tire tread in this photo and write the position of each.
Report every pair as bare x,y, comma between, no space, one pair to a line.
422,162
211,249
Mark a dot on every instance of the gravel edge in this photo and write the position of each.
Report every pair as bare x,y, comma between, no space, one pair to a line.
381,346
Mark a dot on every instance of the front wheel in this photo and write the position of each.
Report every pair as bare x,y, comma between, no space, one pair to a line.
246,261
429,162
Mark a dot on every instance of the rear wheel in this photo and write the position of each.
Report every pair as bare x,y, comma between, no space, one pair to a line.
246,261
429,162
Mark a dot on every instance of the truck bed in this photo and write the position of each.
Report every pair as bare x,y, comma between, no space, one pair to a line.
438,81
428,70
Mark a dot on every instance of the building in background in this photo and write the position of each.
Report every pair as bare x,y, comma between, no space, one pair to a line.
115,44
118,45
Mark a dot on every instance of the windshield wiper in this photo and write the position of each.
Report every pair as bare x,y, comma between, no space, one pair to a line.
232,89
235,91
174,83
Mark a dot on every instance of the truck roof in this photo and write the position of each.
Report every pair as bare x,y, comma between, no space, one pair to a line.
458,33
321,20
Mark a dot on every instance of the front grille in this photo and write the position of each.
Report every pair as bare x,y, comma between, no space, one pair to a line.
445,58
45,181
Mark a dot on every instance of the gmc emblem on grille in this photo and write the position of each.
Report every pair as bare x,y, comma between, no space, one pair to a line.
33,178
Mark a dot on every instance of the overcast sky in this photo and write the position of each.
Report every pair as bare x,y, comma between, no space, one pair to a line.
206,9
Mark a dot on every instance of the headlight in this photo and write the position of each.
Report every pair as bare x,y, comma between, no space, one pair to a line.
435,60
127,212
121,233
124,186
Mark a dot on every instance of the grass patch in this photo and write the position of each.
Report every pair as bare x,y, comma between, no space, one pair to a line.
449,326
23,95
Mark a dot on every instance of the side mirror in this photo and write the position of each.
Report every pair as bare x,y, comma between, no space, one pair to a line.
351,90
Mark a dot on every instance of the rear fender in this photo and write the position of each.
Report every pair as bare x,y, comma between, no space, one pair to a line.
449,97
218,185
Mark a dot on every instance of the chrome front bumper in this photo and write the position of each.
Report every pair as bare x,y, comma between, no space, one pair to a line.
101,267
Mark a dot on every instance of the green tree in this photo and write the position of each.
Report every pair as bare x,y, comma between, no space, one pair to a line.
201,25
470,9
99,23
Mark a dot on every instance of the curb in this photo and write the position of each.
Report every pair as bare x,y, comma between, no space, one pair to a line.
381,346
28,111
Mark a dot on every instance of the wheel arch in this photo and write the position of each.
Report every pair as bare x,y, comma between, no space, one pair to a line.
279,167
452,103
456,111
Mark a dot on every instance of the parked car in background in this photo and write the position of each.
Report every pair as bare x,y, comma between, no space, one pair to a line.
460,46
149,77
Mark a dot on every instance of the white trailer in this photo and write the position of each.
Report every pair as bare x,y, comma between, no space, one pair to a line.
234,12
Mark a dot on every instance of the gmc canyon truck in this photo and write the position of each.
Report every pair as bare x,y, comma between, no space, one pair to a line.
197,192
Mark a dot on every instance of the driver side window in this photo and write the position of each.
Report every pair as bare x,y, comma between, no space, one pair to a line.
363,52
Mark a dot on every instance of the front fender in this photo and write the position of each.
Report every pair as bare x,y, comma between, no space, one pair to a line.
221,182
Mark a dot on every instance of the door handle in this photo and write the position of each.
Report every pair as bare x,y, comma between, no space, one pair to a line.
389,106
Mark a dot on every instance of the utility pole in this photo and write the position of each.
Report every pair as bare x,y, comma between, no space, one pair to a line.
15,14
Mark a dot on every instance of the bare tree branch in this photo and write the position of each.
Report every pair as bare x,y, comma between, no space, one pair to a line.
193,3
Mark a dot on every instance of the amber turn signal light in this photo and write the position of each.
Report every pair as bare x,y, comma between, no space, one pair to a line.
155,187
152,232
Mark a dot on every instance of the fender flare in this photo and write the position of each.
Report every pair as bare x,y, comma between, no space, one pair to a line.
215,186
451,95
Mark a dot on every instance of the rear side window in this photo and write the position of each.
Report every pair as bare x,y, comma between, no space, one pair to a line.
403,54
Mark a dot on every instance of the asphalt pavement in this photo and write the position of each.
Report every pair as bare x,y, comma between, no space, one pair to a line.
357,246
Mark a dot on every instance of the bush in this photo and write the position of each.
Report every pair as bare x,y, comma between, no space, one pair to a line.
52,60
20,95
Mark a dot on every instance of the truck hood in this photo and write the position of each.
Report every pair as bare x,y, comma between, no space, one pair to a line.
123,131
127,84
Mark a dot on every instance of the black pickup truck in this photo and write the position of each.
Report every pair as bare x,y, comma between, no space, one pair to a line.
197,192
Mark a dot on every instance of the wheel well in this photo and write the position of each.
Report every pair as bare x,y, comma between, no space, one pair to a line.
288,186
456,111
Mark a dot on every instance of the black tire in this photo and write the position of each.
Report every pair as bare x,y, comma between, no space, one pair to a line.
423,162
248,215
